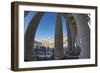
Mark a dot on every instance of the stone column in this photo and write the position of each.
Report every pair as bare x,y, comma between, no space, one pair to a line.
71,31
71,26
59,53
69,38
83,36
29,37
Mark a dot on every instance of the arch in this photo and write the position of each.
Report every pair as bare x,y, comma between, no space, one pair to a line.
29,36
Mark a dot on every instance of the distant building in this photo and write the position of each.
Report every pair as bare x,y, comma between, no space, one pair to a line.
37,44
47,43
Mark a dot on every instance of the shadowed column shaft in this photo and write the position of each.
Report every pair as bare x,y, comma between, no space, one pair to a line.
59,53
69,38
71,26
71,32
29,36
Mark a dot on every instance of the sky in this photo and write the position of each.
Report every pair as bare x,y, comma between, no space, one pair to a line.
46,26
